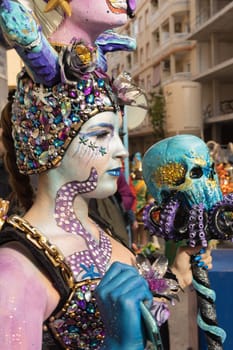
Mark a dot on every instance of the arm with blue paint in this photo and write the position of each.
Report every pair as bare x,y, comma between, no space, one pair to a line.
119,296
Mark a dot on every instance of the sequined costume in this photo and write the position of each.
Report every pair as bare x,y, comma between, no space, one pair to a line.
76,322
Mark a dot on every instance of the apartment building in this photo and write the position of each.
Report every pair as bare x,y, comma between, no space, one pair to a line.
212,27
183,47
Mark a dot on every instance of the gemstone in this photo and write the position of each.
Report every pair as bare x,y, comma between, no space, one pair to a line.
43,158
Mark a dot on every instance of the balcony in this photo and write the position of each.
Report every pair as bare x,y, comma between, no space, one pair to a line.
220,22
222,71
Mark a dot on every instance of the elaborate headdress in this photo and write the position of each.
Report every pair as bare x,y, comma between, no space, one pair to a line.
57,91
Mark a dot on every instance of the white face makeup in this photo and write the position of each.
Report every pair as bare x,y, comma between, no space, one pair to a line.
97,145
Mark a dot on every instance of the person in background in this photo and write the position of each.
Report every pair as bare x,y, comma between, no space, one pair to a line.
126,196
140,234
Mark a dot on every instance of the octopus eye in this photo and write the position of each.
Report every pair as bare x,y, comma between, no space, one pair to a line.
180,181
196,172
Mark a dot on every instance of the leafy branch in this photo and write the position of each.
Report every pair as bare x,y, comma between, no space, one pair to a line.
157,113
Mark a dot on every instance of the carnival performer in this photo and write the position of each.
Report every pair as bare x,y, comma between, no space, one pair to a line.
65,282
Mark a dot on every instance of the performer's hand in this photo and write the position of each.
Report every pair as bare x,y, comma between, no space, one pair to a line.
182,263
118,296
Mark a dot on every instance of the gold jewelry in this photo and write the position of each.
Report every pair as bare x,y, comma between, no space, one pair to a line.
4,206
41,242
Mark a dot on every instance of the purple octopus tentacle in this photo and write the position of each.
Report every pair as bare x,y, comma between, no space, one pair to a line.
167,218
98,253
228,198
196,225
150,224
221,218
164,227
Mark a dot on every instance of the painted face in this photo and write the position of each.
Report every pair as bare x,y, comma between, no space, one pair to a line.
105,14
98,146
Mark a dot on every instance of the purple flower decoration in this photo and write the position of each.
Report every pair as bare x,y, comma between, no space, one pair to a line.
155,274
76,60
160,312
162,284
158,285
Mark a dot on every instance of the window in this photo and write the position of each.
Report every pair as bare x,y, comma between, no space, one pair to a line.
135,56
129,61
156,38
178,27
141,56
147,51
140,25
135,28
166,65
154,3
148,83
146,18
142,84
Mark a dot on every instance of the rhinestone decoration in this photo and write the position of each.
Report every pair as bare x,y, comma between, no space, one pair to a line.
79,325
45,120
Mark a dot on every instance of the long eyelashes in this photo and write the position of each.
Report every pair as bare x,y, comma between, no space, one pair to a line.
102,135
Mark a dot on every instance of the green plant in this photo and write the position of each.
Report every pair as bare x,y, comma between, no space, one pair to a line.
157,113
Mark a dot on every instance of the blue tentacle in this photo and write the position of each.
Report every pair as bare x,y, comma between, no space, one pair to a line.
206,318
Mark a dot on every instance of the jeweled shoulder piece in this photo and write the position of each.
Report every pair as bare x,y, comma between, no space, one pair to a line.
78,325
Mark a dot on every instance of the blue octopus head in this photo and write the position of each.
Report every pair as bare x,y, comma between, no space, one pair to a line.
181,167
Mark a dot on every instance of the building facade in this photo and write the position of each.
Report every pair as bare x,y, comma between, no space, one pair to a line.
211,27
184,48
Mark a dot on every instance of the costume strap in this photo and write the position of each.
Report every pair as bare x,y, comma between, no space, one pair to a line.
47,256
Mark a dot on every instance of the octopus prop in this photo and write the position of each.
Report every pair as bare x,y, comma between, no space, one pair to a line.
189,205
